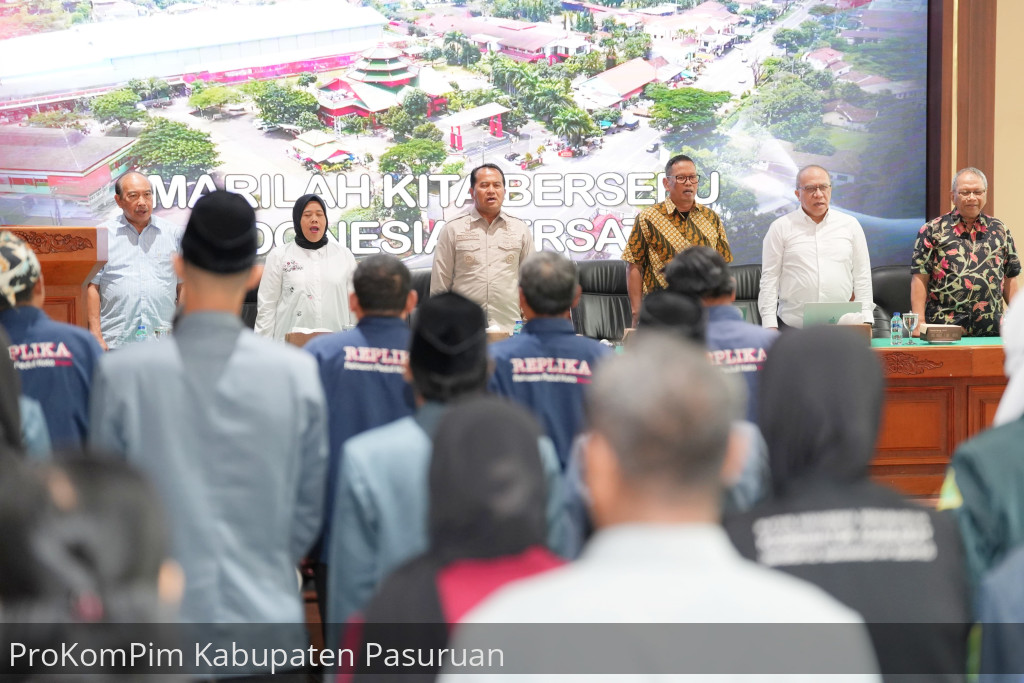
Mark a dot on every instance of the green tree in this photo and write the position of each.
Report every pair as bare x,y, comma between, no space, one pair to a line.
789,108
816,144
253,88
685,109
416,102
172,148
284,104
761,14
638,45
589,64
585,22
306,78
574,124
416,156
399,122
307,120
150,88
822,10
433,53
789,39
58,119
118,107
213,96
428,131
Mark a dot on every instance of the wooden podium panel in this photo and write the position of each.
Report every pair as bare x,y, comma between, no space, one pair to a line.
69,257
935,398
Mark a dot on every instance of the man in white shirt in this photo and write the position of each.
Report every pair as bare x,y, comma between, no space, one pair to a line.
815,254
655,462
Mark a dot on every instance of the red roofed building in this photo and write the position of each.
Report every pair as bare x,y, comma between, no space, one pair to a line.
520,40
378,81
62,164
844,115
614,86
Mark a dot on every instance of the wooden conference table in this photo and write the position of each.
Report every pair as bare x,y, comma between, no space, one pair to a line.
936,396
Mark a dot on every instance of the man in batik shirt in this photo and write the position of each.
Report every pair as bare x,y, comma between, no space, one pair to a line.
663,230
965,263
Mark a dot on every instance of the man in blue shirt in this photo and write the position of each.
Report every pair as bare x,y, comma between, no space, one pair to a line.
547,367
734,345
138,285
55,360
380,515
232,429
362,369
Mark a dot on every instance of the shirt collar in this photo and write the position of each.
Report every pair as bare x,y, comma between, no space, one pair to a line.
21,316
128,226
959,227
429,415
475,215
724,312
705,543
207,321
810,221
670,207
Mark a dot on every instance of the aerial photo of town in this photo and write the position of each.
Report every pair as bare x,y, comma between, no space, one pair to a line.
384,106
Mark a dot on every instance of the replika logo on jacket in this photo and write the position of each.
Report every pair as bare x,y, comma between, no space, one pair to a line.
40,355
739,360
568,370
374,359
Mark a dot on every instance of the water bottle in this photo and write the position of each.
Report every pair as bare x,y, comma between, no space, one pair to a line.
518,327
896,330
141,333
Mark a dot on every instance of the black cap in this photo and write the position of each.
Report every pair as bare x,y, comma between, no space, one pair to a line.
450,335
221,234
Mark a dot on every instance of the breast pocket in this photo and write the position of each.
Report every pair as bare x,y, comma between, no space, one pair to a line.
468,253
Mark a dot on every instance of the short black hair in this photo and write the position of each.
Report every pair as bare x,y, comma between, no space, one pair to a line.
675,313
675,160
548,281
700,272
382,285
472,174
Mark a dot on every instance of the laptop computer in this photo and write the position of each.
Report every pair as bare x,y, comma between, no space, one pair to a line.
828,313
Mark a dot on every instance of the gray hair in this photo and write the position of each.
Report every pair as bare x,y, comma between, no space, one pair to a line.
665,411
808,168
969,169
548,281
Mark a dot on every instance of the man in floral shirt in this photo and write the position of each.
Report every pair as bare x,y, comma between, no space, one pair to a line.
965,263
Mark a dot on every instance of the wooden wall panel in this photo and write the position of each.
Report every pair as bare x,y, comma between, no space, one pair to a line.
976,90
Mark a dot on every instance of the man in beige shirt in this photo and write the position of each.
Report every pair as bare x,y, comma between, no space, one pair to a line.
478,253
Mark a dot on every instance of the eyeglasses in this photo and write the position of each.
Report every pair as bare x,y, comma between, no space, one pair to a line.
967,193
811,189
683,179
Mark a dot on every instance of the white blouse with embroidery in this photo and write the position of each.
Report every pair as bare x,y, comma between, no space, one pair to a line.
305,288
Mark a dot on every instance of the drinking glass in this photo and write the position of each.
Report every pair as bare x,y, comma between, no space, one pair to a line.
910,322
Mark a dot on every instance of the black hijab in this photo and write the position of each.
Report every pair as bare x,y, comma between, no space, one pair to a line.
10,389
820,406
488,499
300,206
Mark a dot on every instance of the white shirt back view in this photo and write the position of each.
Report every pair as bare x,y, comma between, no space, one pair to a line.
643,574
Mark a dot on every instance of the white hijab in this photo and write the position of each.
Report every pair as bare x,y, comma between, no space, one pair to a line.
1011,406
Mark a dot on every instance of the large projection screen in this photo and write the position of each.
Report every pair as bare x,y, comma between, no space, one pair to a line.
384,109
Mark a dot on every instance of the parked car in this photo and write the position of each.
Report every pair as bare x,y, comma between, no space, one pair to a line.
653,147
